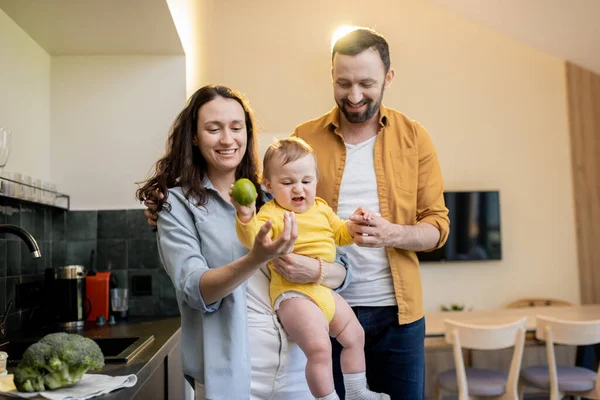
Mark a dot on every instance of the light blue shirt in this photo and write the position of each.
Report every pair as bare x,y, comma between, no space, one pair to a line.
191,240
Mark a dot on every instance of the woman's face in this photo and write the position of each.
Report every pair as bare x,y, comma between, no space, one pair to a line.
221,135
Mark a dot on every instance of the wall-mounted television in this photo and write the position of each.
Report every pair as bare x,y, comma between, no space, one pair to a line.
474,228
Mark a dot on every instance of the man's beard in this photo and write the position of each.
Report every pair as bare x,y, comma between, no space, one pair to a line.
360,117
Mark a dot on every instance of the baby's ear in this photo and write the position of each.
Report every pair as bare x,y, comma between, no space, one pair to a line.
267,185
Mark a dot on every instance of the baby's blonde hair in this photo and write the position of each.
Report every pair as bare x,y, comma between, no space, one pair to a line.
287,150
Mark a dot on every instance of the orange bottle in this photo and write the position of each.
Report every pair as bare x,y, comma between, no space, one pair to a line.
96,288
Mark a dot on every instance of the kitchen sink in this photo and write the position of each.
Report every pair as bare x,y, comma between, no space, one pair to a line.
115,349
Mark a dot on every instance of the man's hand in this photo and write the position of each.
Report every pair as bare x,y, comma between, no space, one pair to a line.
151,204
245,213
376,232
298,268
379,232
361,214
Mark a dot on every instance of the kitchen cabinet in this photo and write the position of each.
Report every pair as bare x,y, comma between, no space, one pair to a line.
166,382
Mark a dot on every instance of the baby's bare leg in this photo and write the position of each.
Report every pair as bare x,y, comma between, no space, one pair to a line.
306,324
347,330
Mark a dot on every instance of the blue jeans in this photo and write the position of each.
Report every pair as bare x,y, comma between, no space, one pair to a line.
395,354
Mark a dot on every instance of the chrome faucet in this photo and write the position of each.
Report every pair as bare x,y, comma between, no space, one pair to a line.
25,236
3,322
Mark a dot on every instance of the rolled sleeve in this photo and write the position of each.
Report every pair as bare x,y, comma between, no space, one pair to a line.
181,256
194,296
430,197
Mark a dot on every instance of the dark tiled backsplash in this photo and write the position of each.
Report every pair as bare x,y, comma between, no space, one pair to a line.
122,240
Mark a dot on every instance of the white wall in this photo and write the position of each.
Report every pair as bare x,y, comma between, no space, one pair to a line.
110,119
25,100
495,108
185,14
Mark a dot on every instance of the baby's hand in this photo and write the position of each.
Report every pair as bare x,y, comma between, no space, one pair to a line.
367,215
245,213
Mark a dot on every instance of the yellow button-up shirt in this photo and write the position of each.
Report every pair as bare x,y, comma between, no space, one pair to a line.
409,186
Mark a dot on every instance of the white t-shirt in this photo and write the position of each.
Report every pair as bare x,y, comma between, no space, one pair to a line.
371,283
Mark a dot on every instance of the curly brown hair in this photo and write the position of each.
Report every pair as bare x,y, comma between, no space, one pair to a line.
183,164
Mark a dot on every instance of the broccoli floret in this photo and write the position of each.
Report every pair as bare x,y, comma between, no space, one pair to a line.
57,360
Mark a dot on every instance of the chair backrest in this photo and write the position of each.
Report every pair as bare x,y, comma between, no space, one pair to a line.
575,333
484,337
537,302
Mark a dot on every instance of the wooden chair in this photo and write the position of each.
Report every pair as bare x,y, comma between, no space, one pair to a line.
562,380
537,302
475,383
534,354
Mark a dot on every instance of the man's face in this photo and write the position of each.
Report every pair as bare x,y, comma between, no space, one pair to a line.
358,84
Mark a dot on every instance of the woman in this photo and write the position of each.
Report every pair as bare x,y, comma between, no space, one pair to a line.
213,143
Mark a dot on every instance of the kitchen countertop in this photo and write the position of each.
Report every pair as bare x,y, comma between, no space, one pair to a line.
166,333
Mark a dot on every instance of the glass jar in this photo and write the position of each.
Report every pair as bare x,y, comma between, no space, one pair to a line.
3,360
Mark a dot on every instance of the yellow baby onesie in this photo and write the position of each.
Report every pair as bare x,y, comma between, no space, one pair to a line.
319,230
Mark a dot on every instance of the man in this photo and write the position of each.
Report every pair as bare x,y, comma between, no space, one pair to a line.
370,155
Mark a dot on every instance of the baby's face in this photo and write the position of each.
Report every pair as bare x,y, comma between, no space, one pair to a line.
294,184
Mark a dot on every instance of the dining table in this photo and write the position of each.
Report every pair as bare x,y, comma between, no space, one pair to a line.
434,320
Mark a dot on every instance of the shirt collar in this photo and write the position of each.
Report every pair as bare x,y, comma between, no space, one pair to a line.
208,184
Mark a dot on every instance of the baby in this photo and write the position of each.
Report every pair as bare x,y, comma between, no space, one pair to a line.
310,312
